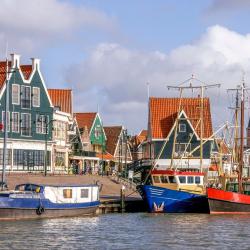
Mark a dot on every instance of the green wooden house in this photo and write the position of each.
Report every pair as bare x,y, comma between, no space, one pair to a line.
29,116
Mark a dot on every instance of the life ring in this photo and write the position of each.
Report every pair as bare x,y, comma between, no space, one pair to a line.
40,210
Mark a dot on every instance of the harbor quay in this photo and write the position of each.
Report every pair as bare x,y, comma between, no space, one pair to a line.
115,195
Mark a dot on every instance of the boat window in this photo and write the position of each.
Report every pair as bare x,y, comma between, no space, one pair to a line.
156,179
182,179
197,179
171,179
164,179
190,180
84,193
67,193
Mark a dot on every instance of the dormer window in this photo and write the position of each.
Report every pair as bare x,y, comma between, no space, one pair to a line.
182,128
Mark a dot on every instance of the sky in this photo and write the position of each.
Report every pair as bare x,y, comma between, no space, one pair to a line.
112,53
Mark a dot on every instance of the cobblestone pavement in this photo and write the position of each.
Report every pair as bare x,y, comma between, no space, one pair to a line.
110,185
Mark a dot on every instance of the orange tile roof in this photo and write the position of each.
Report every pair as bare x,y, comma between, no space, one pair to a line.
85,119
112,134
61,98
163,113
142,136
105,156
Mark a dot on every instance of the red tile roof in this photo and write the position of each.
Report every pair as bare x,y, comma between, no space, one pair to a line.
61,98
112,134
142,136
85,119
25,69
163,112
3,72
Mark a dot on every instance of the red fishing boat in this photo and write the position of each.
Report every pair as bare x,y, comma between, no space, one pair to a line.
236,201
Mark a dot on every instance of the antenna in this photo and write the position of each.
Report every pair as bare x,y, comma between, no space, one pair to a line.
148,89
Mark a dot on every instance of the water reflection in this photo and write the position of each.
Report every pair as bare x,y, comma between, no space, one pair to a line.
129,231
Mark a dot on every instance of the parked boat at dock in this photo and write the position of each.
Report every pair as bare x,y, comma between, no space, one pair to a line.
175,192
30,201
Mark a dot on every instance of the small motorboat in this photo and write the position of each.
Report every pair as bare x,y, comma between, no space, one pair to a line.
30,201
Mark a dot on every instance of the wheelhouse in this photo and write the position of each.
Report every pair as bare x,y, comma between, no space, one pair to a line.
179,180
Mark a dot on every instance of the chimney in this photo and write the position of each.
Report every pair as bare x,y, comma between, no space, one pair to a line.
35,63
15,60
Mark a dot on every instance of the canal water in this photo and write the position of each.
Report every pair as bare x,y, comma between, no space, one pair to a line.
129,231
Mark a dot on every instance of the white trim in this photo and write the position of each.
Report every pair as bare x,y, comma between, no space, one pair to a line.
18,94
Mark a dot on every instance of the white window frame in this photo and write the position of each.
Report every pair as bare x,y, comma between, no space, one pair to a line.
8,121
18,122
38,97
181,126
43,124
18,94
22,124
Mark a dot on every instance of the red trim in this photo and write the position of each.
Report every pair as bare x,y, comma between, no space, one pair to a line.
218,194
212,212
174,172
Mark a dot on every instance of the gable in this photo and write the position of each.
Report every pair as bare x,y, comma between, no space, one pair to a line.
112,134
97,133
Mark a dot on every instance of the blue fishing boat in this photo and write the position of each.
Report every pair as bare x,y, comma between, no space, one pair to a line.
29,201
173,191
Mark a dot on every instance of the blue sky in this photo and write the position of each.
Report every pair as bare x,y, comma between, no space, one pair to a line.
107,50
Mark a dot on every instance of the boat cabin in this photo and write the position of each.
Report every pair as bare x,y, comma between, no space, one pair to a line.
62,194
179,180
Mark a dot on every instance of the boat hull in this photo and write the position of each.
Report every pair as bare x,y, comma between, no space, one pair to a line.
165,200
226,202
29,213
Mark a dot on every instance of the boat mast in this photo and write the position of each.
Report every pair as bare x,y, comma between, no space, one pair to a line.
241,137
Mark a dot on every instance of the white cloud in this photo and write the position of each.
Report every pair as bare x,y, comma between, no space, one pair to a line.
28,25
115,77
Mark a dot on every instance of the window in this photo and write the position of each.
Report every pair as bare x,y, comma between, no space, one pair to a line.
182,179
190,180
8,157
156,179
67,193
60,159
197,179
15,94
171,179
26,124
180,148
25,97
15,122
84,193
59,130
182,127
164,179
41,123
36,97
8,120
97,131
